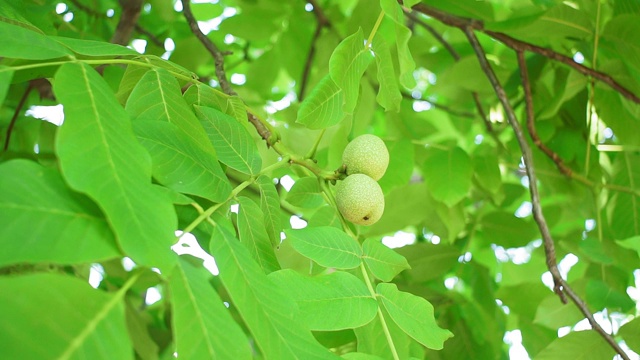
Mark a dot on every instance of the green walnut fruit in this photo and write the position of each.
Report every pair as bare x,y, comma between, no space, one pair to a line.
367,155
360,199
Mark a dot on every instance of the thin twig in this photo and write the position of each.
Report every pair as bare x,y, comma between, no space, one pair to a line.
533,133
154,39
217,55
456,57
518,45
16,113
441,107
561,287
322,22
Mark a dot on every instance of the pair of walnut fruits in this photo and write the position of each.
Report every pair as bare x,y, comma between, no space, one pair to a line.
359,197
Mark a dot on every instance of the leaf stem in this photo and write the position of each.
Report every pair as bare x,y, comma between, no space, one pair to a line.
385,328
205,214
313,150
374,30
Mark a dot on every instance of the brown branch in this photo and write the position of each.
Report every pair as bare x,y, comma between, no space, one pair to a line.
561,287
322,23
456,57
14,118
533,133
518,45
154,39
128,20
217,55
444,108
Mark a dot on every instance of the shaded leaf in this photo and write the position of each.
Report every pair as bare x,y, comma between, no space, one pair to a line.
389,95
270,206
66,220
393,11
328,246
99,156
448,175
328,302
577,345
40,47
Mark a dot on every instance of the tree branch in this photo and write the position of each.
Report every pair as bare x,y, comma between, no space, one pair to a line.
322,23
561,287
218,58
533,133
456,57
474,24
128,20
14,118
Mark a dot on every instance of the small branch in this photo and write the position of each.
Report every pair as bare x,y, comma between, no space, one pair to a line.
217,55
474,24
322,23
533,133
128,20
16,113
456,57
444,108
154,39
561,287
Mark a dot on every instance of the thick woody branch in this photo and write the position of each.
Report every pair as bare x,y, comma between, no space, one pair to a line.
561,287
518,45
128,20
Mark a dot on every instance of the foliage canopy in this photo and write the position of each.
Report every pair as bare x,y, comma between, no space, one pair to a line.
215,130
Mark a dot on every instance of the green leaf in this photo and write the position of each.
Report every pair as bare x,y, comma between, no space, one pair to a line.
305,193
507,230
577,345
254,235
66,220
414,315
401,163
553,314
137,324
203,326
179,163
236,109
270,314
601,295
629,332
270,206
47,316
204,95
326,216
322,108
232,141
326,245
360,356
347,65
428,261
632,243
393,11
486,168
329,302
6,74
21,43
157,96
383,262
94,48
99,156
448,175
389,95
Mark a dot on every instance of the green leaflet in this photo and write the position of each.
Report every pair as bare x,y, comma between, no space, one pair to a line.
326,245
62,317
100,156
233,143
414,315
270,314
329,302
323,107
179,163
67,220
254,236
203,326
347,65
